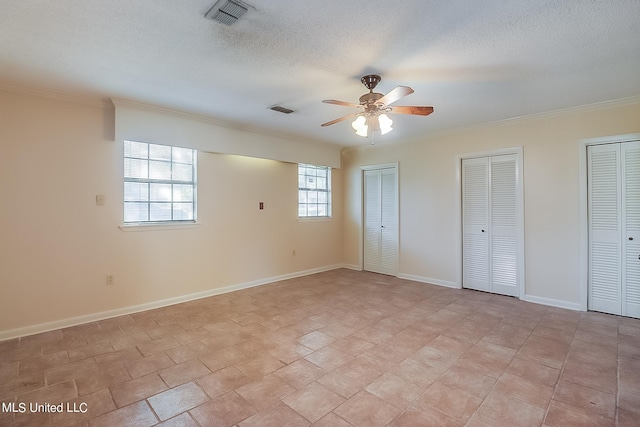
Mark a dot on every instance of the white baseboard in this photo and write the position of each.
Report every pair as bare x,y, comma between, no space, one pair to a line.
553,302
530,298
429,280
73,321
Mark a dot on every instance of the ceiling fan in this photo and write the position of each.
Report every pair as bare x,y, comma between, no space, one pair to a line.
375,107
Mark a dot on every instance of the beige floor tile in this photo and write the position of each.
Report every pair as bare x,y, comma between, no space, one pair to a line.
394,390
290,352
222,381
450,400
511,410
527,391
473,380
365,409
341,347
534,371
84,408
183,372
108,375
588,399
182,420
299,373
187,351
313,401
177,400
226,410
315,340
328,358
147,365
561,415
137,389
331,420
450,345
276,416
135,415
260,365
265,391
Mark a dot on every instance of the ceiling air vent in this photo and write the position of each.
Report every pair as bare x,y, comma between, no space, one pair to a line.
227,11
280,109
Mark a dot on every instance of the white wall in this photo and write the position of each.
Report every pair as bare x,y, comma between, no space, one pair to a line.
57,246
428,182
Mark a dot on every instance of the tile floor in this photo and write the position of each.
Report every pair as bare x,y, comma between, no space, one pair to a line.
340,348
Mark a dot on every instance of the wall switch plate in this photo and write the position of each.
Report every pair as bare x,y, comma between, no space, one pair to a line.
261,206
100,200
110,280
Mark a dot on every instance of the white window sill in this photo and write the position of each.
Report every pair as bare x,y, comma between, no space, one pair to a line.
158,227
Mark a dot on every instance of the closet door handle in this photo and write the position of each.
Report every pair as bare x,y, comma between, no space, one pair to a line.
630,238
482,231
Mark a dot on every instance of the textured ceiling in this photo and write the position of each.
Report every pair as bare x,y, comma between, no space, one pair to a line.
474,61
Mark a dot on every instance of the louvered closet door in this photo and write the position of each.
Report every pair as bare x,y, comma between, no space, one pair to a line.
490,224
381,221
372,216
604,201
614,228
630,156
388,222
475,219
504,226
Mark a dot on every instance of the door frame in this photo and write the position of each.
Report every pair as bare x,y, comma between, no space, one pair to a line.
519,152
391,165
584,208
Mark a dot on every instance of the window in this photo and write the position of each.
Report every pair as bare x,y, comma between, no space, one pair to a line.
314,191
159,183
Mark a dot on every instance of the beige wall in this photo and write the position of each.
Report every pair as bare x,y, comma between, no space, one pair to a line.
57,246
428,183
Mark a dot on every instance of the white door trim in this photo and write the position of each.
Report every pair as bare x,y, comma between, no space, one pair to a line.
584,223
391,165
518,151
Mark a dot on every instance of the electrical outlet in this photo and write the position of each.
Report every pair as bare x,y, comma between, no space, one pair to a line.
110,280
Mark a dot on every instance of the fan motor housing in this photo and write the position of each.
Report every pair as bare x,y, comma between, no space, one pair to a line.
369,99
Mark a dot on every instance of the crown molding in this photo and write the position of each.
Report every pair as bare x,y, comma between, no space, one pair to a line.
621,102
554,113
544,115
93,101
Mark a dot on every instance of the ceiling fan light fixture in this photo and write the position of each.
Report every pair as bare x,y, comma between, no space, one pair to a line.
358,123
374,107
363,131
385,124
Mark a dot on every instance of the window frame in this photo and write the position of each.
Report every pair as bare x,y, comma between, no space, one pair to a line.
326,190
149,201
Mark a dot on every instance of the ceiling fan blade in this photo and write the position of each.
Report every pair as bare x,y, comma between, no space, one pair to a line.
336,102
418,111
395,94
340,119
